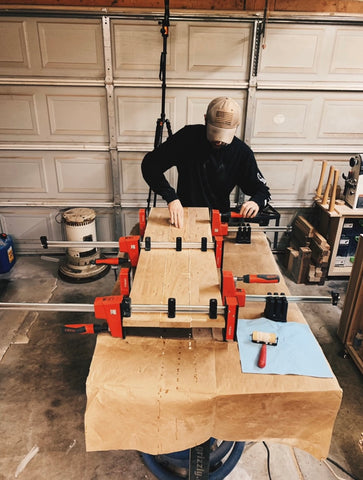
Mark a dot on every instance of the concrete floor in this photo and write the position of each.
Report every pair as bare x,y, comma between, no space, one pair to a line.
42,390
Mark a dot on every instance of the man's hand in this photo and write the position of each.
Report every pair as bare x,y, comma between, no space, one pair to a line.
176,213
249,209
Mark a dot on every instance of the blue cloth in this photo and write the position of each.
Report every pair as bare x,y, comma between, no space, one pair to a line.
297,351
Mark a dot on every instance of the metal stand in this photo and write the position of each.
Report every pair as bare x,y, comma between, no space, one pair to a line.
162,77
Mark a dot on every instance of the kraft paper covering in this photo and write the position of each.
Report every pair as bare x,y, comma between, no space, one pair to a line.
159,395
164,395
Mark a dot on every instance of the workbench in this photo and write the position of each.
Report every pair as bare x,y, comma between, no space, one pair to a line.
160,395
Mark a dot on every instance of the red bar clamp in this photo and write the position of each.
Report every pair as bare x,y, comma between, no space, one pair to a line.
218,247
124,278
142,221
229,289
109,309
218,228
131,246
231,318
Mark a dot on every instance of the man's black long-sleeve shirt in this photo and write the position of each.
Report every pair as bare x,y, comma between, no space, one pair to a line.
206,176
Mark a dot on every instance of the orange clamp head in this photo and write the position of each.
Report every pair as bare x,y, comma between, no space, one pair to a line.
131,246
218,228
109,309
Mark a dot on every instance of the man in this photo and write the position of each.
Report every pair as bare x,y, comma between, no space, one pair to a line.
210,161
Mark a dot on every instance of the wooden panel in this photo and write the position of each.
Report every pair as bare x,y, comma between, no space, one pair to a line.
190,276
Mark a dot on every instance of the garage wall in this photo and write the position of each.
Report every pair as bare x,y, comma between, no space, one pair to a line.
79,100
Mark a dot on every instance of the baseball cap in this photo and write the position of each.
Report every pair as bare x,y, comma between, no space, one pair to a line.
223,117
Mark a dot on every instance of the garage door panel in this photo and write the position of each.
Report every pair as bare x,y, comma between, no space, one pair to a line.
137,48
79,175
347,58
342,118
22,174
300,55
14,46
18,114
138,111
230,46
51,48
53,114
55,175
70,47
77,115
305,120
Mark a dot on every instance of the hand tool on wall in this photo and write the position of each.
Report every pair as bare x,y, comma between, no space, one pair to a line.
265,338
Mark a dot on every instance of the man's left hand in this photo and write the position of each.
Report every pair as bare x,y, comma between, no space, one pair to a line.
249,209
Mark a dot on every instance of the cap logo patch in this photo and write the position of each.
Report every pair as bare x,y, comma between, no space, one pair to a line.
223,118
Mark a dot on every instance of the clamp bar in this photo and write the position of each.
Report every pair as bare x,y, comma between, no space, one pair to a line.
272,228
88,307
178,309
48,307
190,245
76,244
333,299
69,244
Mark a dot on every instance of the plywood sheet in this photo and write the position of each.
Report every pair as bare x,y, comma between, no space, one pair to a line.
190,276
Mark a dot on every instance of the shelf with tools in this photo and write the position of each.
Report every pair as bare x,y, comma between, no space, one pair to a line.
350,328
342,228
340,220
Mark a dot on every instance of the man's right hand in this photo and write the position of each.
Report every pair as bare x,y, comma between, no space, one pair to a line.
176,213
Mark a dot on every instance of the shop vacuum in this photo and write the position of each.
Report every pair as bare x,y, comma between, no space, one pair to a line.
79,266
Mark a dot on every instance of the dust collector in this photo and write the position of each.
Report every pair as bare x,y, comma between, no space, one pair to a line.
78,266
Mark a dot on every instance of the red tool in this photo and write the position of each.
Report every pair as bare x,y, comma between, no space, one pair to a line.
110,261
260,278
142,221
233,298
266,339
85,328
